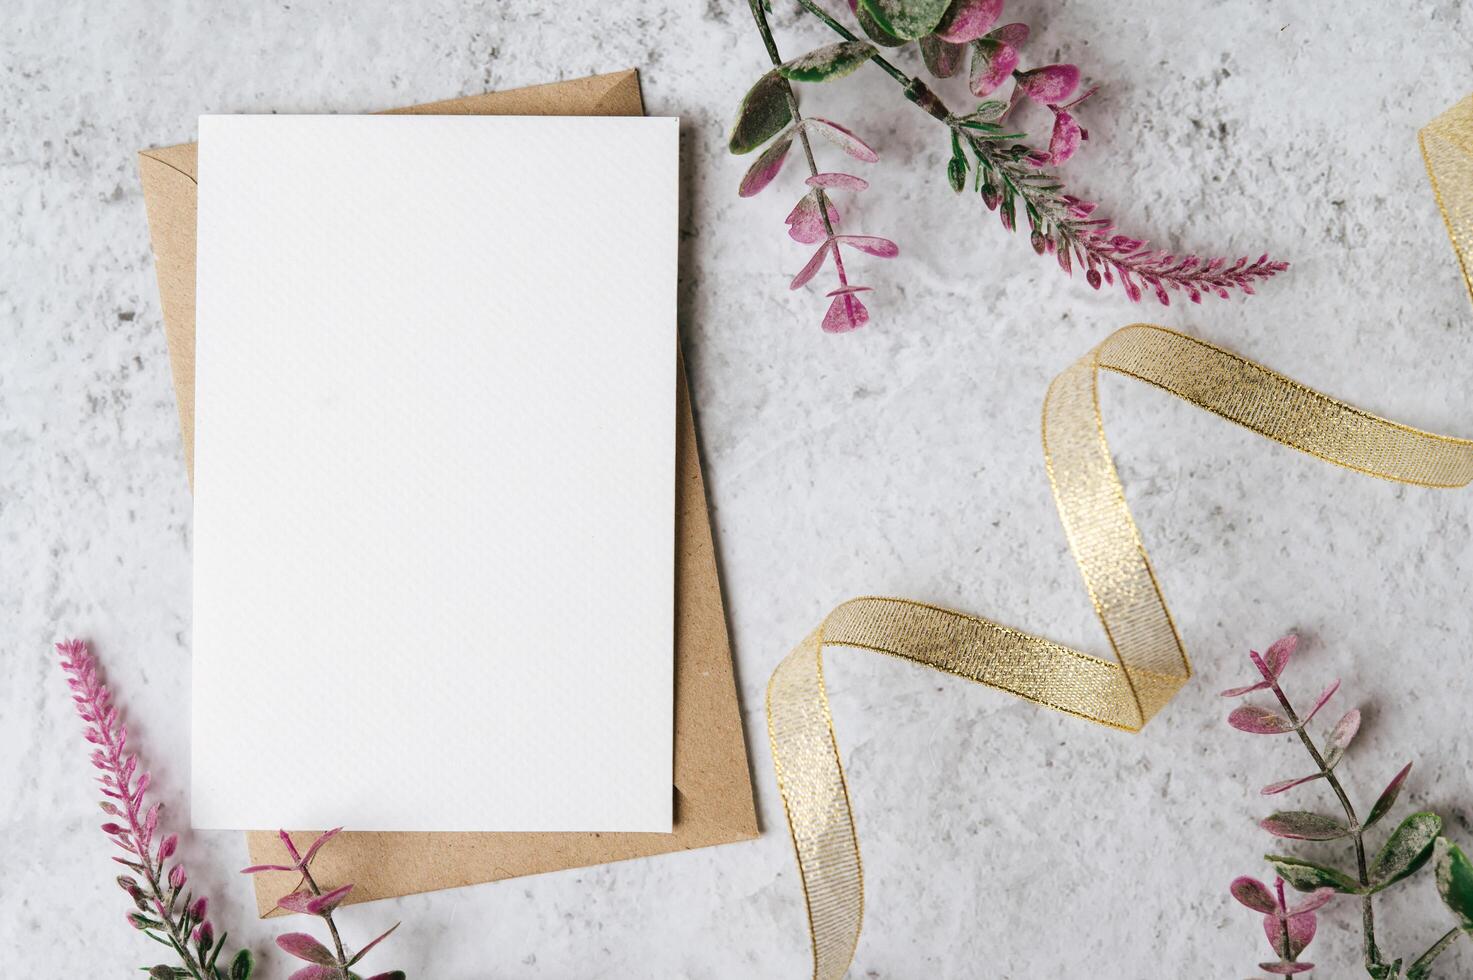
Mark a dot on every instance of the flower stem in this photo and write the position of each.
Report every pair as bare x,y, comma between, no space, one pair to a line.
1357,833
915,90
326,916
760,16
1283,917
849,35
164,903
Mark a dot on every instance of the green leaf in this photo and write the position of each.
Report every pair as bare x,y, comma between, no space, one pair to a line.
908,20
1454,874
763,114
215,955
828,62
1408,848
877,33
989,131
956,173
1422,968
1306,876
1299,825
165,972
989,111
242,965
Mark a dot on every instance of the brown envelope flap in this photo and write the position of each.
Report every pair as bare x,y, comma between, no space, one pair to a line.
713,785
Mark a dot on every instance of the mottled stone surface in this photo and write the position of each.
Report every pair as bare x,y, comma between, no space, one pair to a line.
1001,840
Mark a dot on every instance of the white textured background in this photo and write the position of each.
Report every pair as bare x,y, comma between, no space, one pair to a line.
1000,839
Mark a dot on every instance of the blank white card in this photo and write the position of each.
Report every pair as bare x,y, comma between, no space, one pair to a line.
434,473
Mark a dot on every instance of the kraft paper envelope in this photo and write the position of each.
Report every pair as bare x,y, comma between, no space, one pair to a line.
713,791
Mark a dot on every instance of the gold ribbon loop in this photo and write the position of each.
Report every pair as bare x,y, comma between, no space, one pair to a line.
1150,664
1447,150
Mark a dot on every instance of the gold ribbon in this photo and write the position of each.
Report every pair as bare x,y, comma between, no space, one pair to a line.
1150,664
1447,150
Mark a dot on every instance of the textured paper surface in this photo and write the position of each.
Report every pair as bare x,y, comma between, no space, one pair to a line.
713,802
435,543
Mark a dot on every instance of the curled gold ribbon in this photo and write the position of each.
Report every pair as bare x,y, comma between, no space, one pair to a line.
1447,150
1150,663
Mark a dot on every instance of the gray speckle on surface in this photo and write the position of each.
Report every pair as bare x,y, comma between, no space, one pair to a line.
999,839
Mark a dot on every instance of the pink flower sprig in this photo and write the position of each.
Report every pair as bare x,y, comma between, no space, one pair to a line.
1011,176
323,963
1068,228
1415,841
1289,929
162,907
996,54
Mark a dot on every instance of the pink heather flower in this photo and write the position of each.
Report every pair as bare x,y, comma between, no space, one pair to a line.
1066,138
136,823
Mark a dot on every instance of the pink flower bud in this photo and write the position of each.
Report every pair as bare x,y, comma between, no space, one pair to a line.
177,877
1052,83
167,847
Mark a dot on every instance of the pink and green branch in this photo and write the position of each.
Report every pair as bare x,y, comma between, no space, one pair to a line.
1011,177
1414,843
770,110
